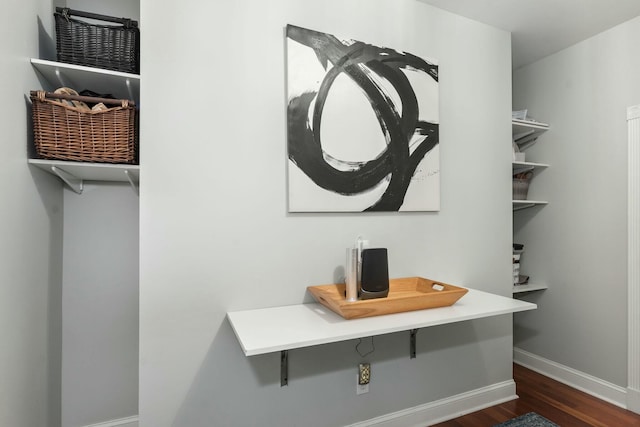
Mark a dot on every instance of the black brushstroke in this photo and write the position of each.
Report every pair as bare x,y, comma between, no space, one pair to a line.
358,61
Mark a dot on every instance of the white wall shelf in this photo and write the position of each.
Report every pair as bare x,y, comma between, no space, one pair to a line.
525,132
517,289
520,167
524,204
270,330
75,173
78,77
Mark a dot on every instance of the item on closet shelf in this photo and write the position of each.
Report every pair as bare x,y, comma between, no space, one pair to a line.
520,189
519,137
518,249
520,156
110,47
521,185
90,93
83,106
72,103
67,132
519,115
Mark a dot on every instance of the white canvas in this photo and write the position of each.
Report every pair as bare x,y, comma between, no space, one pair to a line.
363,126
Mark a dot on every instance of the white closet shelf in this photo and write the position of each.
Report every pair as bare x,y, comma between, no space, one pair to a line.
517,289
519,125
285,328
526,166
75,173
526,132
78,77
524,204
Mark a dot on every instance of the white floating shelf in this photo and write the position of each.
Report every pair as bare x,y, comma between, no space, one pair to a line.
78,77
526,132
276,329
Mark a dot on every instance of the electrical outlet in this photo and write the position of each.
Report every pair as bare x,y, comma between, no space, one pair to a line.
364,373
363,379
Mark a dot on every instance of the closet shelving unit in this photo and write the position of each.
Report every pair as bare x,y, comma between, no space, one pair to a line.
122,86
525,133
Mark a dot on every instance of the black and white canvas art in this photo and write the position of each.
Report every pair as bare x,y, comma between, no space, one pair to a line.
362,126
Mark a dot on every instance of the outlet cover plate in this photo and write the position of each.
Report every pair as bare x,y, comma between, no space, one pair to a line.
361,388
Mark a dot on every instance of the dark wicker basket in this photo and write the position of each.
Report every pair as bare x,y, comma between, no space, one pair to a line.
110,47
66,132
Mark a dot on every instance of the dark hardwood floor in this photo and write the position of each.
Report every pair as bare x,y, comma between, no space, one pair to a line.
555,401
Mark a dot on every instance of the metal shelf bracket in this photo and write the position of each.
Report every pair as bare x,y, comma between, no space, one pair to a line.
284,358
133,181
127,83
72,181
412,343
284,368
61,80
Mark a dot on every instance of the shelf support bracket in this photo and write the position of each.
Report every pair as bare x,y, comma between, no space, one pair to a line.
525,142
133,181
412,343
72,181
284,368
526,206
524,169
127,82
61,79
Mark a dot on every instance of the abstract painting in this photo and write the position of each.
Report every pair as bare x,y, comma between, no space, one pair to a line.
362,126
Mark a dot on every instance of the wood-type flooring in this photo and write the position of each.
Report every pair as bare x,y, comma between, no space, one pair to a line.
555,401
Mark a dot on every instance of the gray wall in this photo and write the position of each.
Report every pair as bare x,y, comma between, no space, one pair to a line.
578,243
216,237
77,253
31,236
99,258
117,8
100,305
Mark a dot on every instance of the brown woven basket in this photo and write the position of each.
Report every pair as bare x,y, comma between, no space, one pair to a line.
66,132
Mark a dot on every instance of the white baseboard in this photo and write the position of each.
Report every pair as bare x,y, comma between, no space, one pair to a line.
446,409
579,380
121,422
633,400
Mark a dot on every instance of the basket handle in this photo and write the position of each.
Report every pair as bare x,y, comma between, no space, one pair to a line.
40,94
66,13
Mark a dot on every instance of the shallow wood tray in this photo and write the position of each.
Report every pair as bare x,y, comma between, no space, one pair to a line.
405,294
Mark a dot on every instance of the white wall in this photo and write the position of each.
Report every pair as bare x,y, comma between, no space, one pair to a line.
215,234
31,227
578,243
100,305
